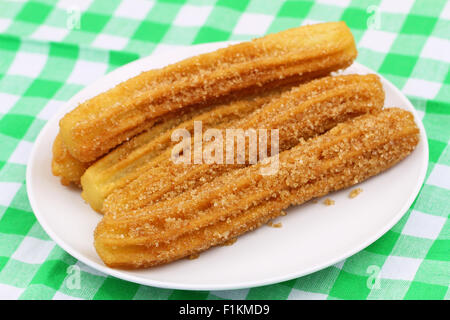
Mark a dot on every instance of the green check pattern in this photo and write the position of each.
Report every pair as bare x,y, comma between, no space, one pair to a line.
49,50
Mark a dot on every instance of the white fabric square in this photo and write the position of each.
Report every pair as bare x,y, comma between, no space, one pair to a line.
240,294
190,15
33,250
423,225
376,40
420,114
136,9
86,72
7,192
106,41
22,152
304,295
4,24
27,64
400,268
50,109
7,101
80,5
403,6
421,88
307,22
445,13
61,296
8,292
436,48
253,24
339,3
48,33
440,176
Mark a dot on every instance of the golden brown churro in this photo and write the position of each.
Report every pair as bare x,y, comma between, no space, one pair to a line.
70,169
243,199
101,123
125,163
65,166
301,113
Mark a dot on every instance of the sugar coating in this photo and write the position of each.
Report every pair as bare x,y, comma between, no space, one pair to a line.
147,150
354,193
300,113
274,225
103,122
242,200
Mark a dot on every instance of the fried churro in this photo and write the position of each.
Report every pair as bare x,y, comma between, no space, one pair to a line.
243,199
124,164
301,113
65,166
103,122
70,170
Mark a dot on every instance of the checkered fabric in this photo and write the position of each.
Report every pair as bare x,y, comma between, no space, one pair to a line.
49,50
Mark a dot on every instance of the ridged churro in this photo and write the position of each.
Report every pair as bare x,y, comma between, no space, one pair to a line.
243,199
70,170
124,164
103,122
301,113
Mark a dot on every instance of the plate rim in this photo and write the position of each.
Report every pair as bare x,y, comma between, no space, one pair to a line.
118,273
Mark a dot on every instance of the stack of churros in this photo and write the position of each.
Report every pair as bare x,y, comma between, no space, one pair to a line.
150,153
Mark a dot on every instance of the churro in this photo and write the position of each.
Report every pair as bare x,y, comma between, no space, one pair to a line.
127,162
65,166
70,169
103,122
243,199
301,113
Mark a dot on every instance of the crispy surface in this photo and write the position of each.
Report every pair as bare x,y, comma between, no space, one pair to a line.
301,113
101,123
70,169
127,162
65,166
242,200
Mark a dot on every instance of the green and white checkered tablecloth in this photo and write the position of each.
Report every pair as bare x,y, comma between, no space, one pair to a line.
49,50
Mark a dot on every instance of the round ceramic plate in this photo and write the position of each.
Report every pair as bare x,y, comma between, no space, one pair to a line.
313,236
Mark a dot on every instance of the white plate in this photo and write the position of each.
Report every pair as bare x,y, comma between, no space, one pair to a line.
313,236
